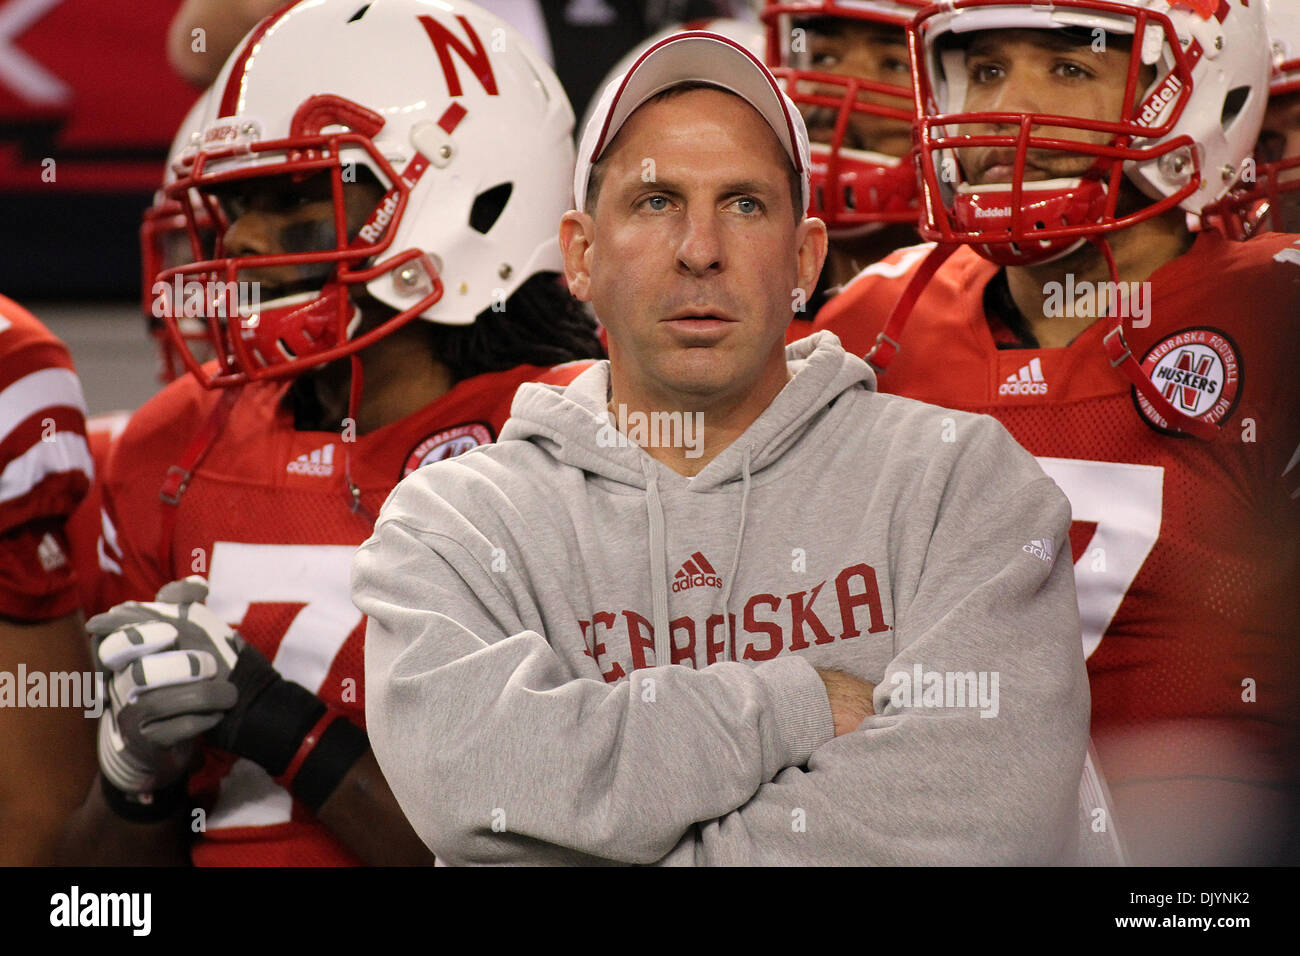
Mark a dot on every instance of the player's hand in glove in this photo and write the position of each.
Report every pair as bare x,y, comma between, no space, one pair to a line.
166,666
279,725
288,731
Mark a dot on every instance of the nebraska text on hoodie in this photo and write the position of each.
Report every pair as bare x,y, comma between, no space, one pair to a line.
576,654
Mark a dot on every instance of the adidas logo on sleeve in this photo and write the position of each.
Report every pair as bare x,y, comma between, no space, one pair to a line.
1041,549
50,554
319,463
1028,381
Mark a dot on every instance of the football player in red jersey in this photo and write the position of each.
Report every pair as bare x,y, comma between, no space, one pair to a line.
164,242
1269,200
400,225
1063,149
45,472
845,65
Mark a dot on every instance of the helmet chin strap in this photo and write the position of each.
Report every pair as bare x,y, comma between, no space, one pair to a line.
354,405
886,347
1117,351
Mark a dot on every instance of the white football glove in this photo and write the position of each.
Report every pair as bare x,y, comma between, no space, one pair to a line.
167,664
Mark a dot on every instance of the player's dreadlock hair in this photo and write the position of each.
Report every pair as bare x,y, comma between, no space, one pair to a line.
540,324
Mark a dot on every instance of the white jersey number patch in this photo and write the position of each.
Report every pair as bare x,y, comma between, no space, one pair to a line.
1126,502
316,576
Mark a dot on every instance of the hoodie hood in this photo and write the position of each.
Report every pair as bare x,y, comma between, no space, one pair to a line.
575,427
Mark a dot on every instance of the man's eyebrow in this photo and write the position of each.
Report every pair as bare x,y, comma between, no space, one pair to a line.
668,185
885,37
747,186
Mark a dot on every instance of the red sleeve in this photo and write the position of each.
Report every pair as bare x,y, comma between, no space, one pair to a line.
131,512
45,467
85,526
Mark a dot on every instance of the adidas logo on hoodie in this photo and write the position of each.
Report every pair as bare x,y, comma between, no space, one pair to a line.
319,463
696,572
1042,550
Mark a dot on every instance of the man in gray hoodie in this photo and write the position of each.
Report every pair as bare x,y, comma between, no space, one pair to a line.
717,601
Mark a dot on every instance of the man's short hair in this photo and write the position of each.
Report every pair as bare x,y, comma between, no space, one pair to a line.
598,168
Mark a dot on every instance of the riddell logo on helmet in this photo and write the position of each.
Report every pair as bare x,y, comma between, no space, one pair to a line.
1158,100
990,213
696,572
225,133
372,230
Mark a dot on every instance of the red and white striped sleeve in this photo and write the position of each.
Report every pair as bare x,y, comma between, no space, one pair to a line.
45,467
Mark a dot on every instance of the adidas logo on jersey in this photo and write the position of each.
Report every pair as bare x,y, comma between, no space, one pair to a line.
1028,381
319,463
50,554
696,572
1041,549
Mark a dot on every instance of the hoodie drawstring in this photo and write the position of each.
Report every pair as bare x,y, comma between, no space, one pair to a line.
735,558
659,560
658,566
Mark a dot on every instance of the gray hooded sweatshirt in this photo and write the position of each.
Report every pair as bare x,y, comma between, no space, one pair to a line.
575,654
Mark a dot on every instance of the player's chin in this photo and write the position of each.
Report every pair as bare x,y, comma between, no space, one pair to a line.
884,139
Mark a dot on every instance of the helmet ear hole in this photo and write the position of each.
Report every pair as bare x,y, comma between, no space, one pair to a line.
488,206
1232,104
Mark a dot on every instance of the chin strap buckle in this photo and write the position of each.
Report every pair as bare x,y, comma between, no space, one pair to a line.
1117,351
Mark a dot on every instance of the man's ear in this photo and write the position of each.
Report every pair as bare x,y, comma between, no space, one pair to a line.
577,236
812,240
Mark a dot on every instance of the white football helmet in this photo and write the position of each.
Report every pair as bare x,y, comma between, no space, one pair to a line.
165,243
1183,141
460,121
1269,200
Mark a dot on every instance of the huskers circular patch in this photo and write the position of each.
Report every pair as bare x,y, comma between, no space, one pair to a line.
447,443
1199,373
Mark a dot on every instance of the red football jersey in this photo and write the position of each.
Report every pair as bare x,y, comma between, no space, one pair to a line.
45,467
268,518
1185,550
